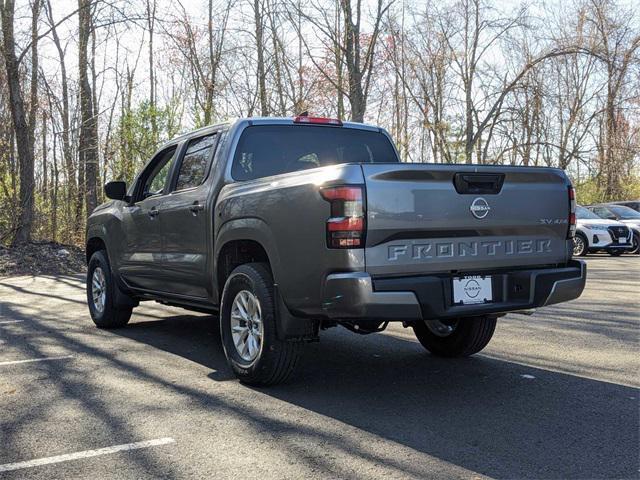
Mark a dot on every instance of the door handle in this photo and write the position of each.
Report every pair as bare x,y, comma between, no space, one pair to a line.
196,207
154,212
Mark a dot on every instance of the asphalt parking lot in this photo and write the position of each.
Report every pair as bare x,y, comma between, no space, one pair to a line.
554,395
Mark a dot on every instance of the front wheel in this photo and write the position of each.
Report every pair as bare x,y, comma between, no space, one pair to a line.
458,338
101,294
248,328
636,244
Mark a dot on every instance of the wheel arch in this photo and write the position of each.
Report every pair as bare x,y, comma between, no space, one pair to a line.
95,242
243,241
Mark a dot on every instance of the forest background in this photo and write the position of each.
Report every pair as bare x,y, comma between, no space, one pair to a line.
90,89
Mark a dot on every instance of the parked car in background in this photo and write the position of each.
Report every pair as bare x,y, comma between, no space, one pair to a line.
634,204
621,213
595,234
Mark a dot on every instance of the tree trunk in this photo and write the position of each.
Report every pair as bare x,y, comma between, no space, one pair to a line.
339,66
45,183
23,131
277,64
262,88
469,140
352,57
54,192
88,143
71,186
151,20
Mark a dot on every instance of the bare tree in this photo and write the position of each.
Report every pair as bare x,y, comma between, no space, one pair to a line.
88,144
348,45
62,105
204,69
258,15
151,21
23,117
617,48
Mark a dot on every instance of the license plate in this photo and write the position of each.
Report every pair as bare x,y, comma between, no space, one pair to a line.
471,290
622,240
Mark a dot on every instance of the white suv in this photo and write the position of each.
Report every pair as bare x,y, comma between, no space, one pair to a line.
598,234
624,214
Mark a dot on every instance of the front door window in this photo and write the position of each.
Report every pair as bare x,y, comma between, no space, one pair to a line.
154,182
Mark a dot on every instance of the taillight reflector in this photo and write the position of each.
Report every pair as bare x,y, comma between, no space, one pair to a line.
345,224
572,213
341,193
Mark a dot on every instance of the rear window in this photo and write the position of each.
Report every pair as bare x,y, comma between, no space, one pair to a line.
195,161
265,150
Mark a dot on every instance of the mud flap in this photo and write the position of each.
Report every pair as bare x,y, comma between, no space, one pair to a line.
290,327
120,299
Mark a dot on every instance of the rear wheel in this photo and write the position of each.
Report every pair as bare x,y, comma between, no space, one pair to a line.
458,338
580,245
248,328
101,294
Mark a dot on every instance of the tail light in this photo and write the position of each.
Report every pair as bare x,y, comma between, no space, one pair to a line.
317,120
572,212
346,227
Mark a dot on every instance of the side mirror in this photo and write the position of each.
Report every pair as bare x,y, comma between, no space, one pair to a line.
116,190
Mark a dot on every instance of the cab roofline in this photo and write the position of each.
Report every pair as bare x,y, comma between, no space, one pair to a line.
290,121
263,121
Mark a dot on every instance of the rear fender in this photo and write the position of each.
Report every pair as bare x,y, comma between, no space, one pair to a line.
253,229
288,326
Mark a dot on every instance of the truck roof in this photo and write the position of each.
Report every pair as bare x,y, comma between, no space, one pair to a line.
261,121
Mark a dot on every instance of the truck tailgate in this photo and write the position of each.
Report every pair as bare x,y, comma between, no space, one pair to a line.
463,218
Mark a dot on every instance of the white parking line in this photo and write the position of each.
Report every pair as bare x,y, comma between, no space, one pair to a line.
5,322
7,467
43,359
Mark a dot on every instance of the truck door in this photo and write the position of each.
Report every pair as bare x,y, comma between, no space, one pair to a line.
141,264
187,222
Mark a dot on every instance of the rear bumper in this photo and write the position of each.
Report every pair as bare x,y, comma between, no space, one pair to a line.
357,295
612,247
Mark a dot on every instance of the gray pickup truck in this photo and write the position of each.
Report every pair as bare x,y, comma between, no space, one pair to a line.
285,227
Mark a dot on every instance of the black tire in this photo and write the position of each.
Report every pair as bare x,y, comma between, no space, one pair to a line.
580,239
109,316
276,359
636,244
469,336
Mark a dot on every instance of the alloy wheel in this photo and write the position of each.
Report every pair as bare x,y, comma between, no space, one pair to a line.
247,328
578,245
99,289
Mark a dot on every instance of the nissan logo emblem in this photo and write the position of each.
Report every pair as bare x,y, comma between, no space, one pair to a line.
479,208
472,288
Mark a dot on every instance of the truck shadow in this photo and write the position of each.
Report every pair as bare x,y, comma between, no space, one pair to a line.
478,413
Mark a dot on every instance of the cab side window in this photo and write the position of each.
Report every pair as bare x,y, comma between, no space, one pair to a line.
195,162
155,181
